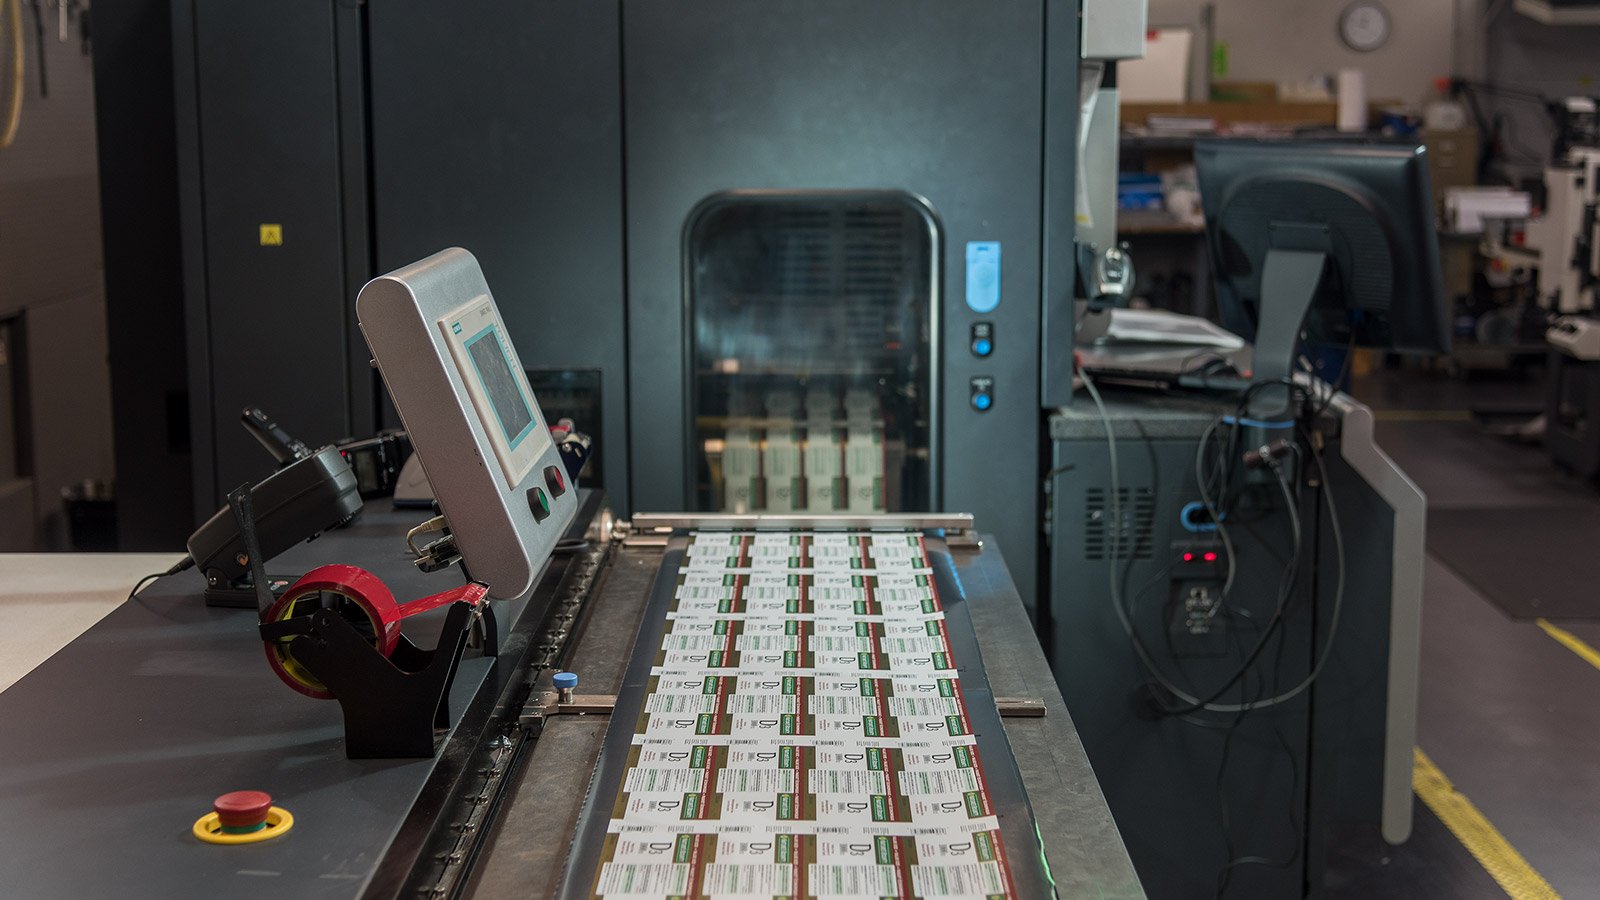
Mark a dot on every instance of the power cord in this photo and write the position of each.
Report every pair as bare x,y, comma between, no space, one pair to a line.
181,565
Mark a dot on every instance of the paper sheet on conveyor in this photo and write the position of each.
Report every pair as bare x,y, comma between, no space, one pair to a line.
810,726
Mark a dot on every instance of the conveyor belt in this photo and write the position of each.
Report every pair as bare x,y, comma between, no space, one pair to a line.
806,714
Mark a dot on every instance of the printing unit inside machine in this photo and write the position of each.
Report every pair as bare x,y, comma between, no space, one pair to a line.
771,501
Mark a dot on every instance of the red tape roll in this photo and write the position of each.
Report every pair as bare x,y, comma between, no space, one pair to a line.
363,600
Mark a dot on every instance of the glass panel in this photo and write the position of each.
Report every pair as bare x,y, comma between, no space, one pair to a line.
574,394
811,331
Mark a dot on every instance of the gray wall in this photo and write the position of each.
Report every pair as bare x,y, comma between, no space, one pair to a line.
1556,61
1290,40
50,270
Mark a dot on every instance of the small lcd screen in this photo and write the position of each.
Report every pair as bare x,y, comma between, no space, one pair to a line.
505,395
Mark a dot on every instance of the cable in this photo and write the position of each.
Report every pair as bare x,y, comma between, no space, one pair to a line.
186,563
1150,665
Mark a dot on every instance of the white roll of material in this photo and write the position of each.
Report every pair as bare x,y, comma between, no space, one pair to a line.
1352,100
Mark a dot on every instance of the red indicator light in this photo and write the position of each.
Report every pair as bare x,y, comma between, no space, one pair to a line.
1211,557
1188,557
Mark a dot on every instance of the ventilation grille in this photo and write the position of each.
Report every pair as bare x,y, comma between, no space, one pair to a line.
1136,509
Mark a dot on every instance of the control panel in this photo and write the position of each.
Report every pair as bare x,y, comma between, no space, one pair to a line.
982,342
438,339
982,392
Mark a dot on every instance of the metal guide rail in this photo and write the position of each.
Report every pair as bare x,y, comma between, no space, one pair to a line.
806,714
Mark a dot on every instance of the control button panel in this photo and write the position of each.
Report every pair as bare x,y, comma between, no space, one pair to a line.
982,396
982,342
555,481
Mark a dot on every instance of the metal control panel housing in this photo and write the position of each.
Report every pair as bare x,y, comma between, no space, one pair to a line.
443,350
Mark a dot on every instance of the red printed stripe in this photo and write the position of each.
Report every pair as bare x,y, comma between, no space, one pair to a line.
1003,863
902,869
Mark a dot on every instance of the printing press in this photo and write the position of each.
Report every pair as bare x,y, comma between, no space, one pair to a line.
677,705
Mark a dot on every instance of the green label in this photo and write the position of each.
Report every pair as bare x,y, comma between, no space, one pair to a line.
922,581
883,849
790,685
784,852
974,801
874,759
794,581
786,723
880,808
963,757
724,606
792,606
710,686
863,629
860,607
985,846
870,724
702,723
947,687
932,628
869,687
953,724
691,806
721,627
698,756
791,627
785,757
857,581
791,659
786,806
714,659
941,660
928,607
683,848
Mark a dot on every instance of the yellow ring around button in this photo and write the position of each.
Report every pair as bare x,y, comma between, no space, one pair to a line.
208,829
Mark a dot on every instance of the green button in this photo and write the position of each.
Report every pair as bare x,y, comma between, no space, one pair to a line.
539,503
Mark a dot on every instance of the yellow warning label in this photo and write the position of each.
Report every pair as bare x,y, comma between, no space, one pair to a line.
271,234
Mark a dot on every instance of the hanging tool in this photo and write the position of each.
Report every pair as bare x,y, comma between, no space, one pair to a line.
13,22
38,41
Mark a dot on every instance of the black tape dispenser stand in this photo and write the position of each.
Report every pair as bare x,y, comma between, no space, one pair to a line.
335,634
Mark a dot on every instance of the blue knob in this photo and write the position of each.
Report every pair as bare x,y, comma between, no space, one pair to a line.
982,347
982,402
565,680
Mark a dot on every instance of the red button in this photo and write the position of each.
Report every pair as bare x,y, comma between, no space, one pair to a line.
552,477
242,809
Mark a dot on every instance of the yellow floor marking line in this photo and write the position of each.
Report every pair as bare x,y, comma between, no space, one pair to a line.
1572,642
1501,860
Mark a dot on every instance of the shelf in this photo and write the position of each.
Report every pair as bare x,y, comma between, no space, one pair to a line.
1154,221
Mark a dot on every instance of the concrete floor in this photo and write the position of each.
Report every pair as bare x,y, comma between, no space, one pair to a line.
1507,713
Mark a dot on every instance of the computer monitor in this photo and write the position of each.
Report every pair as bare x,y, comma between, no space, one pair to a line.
1336,239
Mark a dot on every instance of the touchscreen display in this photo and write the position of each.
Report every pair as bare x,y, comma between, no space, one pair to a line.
505,396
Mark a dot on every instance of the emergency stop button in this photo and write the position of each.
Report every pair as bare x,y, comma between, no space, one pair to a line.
555,480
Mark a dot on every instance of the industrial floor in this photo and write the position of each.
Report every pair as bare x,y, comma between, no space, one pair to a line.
1508,714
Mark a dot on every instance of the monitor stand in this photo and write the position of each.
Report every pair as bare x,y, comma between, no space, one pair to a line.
1289,282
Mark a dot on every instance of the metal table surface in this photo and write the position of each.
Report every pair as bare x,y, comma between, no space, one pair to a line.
528,849
117,743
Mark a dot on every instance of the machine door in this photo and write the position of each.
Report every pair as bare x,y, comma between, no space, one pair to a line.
812,328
